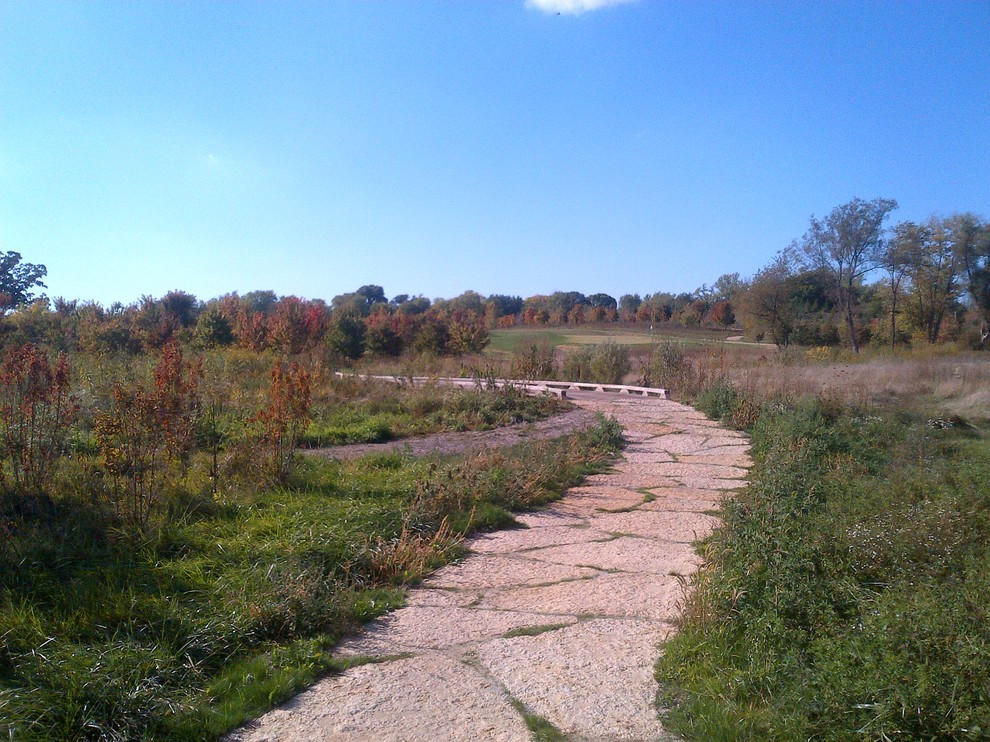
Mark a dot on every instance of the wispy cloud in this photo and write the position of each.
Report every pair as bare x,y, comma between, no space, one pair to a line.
572,7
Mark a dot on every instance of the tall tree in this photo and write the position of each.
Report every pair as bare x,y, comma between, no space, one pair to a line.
770,304
896,258
628,306
934,272
602,300
373,294
17,280
971,240
728,286
846,244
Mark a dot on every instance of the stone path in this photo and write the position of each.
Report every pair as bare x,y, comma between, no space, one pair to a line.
561,619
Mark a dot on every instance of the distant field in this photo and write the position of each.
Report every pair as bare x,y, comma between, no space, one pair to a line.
508,339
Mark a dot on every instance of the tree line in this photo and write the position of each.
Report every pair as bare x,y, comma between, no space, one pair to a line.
931,283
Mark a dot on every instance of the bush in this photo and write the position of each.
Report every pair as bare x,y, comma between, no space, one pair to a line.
534,360
665,367
36,413
610,363
145,436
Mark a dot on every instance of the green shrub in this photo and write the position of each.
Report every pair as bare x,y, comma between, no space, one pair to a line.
534,360
604,363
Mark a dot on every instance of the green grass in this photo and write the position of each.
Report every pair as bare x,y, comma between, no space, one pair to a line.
534,630
507,340
850,584
233,608
381,412
541,729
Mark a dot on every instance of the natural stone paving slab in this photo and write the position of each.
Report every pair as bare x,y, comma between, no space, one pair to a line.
646,457
591,584
741,460
650,596
515,540
715,471
628,554
432,692
499,571
598,499
442,597
682,443
550,518
414,628
676,505
711,483
670,526
683,499
588,680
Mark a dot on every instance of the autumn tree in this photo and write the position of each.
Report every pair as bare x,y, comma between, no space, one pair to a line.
284,419
382,337
722,314
153,324
728,286
183,306
213,328
846,243
144,438
36,412
604,301
467,333
628,306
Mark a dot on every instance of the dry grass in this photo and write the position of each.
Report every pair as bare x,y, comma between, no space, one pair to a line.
952,385
409,556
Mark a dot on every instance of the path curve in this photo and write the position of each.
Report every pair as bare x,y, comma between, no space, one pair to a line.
467,441
561,619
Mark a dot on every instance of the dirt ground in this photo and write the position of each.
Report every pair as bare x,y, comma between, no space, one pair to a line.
465,442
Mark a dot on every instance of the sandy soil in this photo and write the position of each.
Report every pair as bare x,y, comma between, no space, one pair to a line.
563,618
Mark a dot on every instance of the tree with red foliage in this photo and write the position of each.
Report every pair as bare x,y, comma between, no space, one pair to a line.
36,412
146,435
284,419
722,314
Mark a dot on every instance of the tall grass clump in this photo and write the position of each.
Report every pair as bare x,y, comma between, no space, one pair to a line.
533,360
604,363
846,594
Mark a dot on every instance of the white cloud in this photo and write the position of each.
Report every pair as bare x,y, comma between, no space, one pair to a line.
572,7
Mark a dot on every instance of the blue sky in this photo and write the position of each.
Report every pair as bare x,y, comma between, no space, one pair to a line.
432,147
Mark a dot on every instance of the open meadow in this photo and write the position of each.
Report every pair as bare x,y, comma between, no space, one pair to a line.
172,566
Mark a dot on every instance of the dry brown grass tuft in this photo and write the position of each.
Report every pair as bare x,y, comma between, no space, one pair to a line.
412,554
